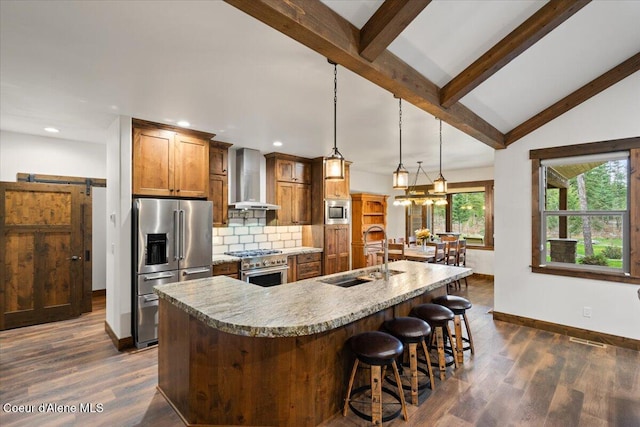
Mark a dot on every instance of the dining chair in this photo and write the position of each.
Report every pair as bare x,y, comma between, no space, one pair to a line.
439,256
396,247
451,249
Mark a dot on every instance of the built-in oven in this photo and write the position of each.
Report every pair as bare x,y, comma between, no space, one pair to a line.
262,267
265,277
336,211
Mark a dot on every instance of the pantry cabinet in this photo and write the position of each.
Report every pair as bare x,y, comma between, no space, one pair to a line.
367,210
219,181
289,186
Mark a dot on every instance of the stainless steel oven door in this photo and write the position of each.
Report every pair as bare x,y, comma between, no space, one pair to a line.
265,277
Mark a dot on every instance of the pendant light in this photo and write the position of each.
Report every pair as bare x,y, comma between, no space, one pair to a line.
334,164
401,175
440,184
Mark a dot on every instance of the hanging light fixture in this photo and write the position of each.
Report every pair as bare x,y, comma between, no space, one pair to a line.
418,196
440,184
334,164
401,175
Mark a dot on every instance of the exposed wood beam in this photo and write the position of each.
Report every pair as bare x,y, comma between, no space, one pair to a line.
526,35
386,24
592,88
316,26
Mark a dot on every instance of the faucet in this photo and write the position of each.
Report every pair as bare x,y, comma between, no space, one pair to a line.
385,244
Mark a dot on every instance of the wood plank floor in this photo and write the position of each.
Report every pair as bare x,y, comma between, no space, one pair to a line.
518,377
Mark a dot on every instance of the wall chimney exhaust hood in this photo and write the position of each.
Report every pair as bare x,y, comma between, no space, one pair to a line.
248,182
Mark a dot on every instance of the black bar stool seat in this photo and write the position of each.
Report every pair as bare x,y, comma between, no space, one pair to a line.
413,332
438,317
376,349
459,306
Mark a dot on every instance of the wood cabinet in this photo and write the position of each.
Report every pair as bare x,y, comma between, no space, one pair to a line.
288,185
323,189
336,248
304,266
308,265
230,269
169,161
219,181
367,210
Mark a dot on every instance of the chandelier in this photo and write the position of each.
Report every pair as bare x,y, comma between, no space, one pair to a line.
418,196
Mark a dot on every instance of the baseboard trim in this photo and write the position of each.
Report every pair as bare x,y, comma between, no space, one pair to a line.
119,343
569,331
99,293
482,276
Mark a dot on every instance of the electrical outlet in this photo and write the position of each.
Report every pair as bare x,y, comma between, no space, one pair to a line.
586,311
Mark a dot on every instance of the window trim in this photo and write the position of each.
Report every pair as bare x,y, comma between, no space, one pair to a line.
459,187
537,156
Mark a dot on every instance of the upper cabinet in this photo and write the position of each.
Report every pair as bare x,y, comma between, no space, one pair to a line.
289,185
219,181
337,188
291,170
169,161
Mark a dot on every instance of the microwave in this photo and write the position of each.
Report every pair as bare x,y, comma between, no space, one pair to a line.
336,211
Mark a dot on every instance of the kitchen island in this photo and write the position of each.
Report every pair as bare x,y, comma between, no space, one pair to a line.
233,353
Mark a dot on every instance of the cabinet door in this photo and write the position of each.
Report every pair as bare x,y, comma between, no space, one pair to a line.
302,200
218,160
191,166
302,172
292,272
285,170
218,188
338,189
153,160
336,249
285,197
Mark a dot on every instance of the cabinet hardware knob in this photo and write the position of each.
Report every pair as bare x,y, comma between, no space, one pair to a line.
75,258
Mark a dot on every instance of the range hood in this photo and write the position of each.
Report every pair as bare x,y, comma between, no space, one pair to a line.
248,182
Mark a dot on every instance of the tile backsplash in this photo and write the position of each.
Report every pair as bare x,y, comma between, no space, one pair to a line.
243,237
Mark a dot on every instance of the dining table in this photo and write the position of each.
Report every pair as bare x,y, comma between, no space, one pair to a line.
413,253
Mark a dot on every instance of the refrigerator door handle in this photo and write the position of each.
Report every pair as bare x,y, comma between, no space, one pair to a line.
182,233
176,230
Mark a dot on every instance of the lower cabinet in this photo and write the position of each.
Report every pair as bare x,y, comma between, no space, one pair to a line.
304,266
336,248
226,269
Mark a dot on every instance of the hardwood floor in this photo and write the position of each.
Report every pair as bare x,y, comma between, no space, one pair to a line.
518,377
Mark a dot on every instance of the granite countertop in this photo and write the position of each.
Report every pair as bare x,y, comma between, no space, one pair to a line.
304,307
221,258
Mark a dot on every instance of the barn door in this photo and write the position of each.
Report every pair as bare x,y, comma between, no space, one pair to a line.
41,249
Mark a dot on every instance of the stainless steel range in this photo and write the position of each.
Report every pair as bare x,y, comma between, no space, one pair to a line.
262,267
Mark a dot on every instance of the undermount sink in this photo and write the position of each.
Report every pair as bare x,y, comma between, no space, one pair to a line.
351,279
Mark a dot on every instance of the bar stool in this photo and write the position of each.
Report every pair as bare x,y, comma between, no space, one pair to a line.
438,317
412,331
459,306
377,349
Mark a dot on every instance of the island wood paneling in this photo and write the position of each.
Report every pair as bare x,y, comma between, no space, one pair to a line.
213,377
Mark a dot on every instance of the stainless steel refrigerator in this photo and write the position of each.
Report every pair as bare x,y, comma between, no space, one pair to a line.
171,243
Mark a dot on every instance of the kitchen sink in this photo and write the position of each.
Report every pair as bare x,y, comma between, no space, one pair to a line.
349,280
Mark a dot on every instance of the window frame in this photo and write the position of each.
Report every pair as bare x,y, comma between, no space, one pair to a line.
632,145
460,187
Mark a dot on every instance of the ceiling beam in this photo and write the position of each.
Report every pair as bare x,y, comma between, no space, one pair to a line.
526,35
391,18
316,26
592,88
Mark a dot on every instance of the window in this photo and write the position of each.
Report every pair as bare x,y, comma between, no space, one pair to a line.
469,212
583,214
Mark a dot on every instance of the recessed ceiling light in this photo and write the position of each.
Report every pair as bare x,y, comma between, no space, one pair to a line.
277,143
52,130
184,123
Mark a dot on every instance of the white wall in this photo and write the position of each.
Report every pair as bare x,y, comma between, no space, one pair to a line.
49,156
23,153
119,227
612,114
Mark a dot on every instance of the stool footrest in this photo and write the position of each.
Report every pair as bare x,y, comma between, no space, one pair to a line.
368,417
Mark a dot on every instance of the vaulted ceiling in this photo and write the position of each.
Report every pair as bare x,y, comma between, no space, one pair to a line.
256,71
